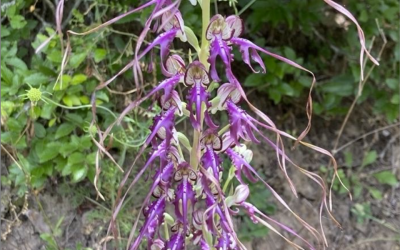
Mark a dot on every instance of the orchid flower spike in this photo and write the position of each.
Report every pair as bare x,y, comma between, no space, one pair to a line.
190,202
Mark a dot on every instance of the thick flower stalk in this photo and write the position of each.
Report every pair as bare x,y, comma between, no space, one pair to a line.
188,202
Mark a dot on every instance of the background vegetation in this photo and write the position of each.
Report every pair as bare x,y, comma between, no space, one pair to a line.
46,137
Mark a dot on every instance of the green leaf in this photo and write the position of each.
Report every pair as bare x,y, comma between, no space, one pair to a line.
78,79
48,153
64,129
91,158
17,22
74,118
305,81
6,74
47,110
369,158
341,85
4,32
289,53
17,63
392,83
254,80
36,79
375,193
286,89
395,99
192,38
55,56
386,177
77,59
67,149
348,156
6,137
71,100
75,158
275,95
102,96
78,172
85,142
99,55
39,129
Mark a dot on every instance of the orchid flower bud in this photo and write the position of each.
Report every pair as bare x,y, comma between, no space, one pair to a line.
241,194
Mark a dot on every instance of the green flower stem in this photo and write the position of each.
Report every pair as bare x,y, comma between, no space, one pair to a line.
195,153
78,107
223,130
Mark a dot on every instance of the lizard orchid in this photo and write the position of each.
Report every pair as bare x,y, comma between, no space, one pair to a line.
189,201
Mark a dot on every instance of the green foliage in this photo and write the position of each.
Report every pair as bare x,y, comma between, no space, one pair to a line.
45,118
386,177
320,43
352,177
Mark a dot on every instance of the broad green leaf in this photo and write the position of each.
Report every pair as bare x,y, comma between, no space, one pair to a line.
55,56
64,129
348,156
78,79
255,80
91,158
289,53
99,55
6,137
275,95
71,100
75,158
341,86
49,152
17,63
395,99
4,32
78,172
84,99
369,158
17,22
305,81
74,118
375,193
6,74
386,177
77,59
392,83
36,79
85,142
47,110
102,96
67,149
39,129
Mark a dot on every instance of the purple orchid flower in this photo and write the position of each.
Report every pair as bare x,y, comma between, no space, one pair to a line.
177,241
197,78
210,160
185,195
153,215
219,32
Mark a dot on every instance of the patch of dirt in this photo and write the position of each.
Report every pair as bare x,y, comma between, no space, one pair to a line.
50,215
